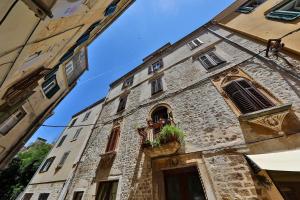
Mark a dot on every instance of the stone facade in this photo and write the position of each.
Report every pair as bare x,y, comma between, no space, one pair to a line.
216,138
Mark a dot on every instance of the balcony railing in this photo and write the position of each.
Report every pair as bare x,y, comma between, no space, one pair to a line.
151,132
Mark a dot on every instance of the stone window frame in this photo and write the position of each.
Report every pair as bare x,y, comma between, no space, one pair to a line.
86,116
163,104
111,139
194,43
43,166
221,79
12,121
63,159
110,179
128,82
153,67
78,191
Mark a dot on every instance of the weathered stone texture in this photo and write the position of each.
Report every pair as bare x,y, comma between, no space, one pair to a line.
52,188
198,109
231,177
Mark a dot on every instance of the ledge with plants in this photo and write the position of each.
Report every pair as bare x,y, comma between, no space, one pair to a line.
167,142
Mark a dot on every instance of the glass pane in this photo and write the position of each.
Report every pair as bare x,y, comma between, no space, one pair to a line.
173,188
194,187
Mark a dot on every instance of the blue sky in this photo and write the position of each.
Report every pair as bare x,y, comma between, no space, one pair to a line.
143,28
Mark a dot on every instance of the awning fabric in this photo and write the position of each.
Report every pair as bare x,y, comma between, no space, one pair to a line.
280,161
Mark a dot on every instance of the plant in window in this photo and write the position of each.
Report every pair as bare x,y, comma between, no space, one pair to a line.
171,133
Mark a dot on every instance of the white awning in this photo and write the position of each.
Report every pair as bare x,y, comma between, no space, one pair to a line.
280,161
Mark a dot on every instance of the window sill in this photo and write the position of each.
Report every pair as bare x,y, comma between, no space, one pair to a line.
157,94
265,112
270,118
108,154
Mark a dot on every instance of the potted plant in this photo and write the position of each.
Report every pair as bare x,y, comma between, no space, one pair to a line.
167,142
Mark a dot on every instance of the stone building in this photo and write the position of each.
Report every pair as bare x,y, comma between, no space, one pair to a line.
42,54
53,177
229,99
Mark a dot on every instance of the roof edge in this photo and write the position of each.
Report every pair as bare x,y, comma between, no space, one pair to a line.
89,107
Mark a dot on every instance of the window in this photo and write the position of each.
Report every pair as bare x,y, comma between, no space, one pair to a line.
210,60
155,66
122,103
50,86
111,8
63,159
43,196
107,190
246,97
11,121
47,164
77,134
156,86
195,43
61,141
128,82
69,68
113,139
27,196
72,123
249,6
78,195
288,11
86,116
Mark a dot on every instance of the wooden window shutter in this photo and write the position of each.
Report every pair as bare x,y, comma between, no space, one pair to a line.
156,86
205,61
150,70
113,139
61,141
63,159
246,97
215,58
122,103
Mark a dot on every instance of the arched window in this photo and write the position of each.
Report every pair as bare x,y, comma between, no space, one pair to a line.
246,96
160,117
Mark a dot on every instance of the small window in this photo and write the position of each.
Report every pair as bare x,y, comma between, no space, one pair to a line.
111,8
107,190
155,66
27,196
73,122
249,6
210,60
50,85
69,68
77,134
195,43
86,116
288,11
122,103
156,86
113,139
128,82
43,196
63,159
45,167
11,121
61,141
78,195
246,96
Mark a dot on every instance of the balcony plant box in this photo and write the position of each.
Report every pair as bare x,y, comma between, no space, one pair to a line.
168,142
163,150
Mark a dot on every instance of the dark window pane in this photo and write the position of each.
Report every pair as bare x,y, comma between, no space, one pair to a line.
78,195
43,196
61,141
107,190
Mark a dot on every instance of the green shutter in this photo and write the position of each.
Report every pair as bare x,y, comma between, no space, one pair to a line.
283,15
245,9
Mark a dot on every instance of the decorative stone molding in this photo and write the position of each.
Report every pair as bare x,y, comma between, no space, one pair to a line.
271,118
163,150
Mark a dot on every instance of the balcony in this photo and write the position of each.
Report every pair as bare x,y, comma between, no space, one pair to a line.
161,138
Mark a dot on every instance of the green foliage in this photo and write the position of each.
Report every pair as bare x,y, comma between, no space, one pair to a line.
17,175
169,133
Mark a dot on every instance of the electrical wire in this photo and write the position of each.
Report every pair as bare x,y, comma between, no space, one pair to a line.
252,142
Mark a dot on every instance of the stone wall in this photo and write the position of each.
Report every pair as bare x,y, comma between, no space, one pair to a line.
53,188
198,109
